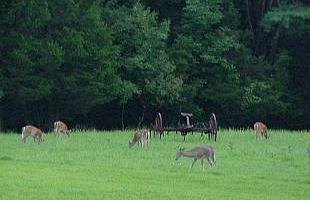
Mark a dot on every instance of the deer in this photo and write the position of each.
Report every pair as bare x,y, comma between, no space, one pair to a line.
200,152
260,130
142,136
33,131
61,127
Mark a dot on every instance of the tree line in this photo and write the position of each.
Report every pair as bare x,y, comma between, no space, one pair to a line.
115,63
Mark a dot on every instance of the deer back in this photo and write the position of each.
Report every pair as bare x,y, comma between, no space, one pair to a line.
31,130
260,127
197,152
60,126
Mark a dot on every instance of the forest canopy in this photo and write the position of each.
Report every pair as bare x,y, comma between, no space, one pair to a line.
115,63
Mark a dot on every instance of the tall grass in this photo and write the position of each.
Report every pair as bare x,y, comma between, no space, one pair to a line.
99,165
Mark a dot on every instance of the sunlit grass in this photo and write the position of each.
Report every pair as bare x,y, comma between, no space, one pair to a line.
99,165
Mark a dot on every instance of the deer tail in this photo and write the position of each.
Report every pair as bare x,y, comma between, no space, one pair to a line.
23,131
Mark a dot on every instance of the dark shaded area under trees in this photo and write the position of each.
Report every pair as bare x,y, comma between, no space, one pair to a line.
111,64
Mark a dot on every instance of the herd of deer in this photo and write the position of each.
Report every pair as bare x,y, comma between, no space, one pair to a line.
37,134
142,137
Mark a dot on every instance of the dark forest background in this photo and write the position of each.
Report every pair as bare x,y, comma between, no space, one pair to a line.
109,64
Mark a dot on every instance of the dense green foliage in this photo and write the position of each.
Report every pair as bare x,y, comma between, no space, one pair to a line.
115,63
99,165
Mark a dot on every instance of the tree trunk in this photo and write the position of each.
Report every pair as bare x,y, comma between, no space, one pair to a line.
1,128
123,110
141,118
248,14
1,122
273,47
256,9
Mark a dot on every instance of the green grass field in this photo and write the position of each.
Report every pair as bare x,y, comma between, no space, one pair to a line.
99,165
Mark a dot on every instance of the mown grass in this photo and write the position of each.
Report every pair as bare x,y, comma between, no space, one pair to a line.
99,165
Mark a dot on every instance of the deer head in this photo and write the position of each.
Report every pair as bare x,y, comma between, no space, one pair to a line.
179,153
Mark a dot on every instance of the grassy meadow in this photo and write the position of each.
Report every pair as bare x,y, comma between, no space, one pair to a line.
99,165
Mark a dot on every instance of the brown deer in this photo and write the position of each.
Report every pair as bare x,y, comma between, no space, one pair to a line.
61,127
142,136
33,131
200,152
260,130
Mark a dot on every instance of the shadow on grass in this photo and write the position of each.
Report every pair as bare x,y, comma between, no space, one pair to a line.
216,173
6,158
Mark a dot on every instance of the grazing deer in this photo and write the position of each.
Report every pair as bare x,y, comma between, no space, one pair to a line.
260,130
140,137
33,131
196,153
60,127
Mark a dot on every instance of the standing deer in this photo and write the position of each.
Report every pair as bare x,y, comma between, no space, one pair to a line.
140,137
260,130
200,152
61,127
33,131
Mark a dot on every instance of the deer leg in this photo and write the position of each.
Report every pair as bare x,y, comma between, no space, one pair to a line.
213,159
202,164
265,134
23,138
209,161
195,159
